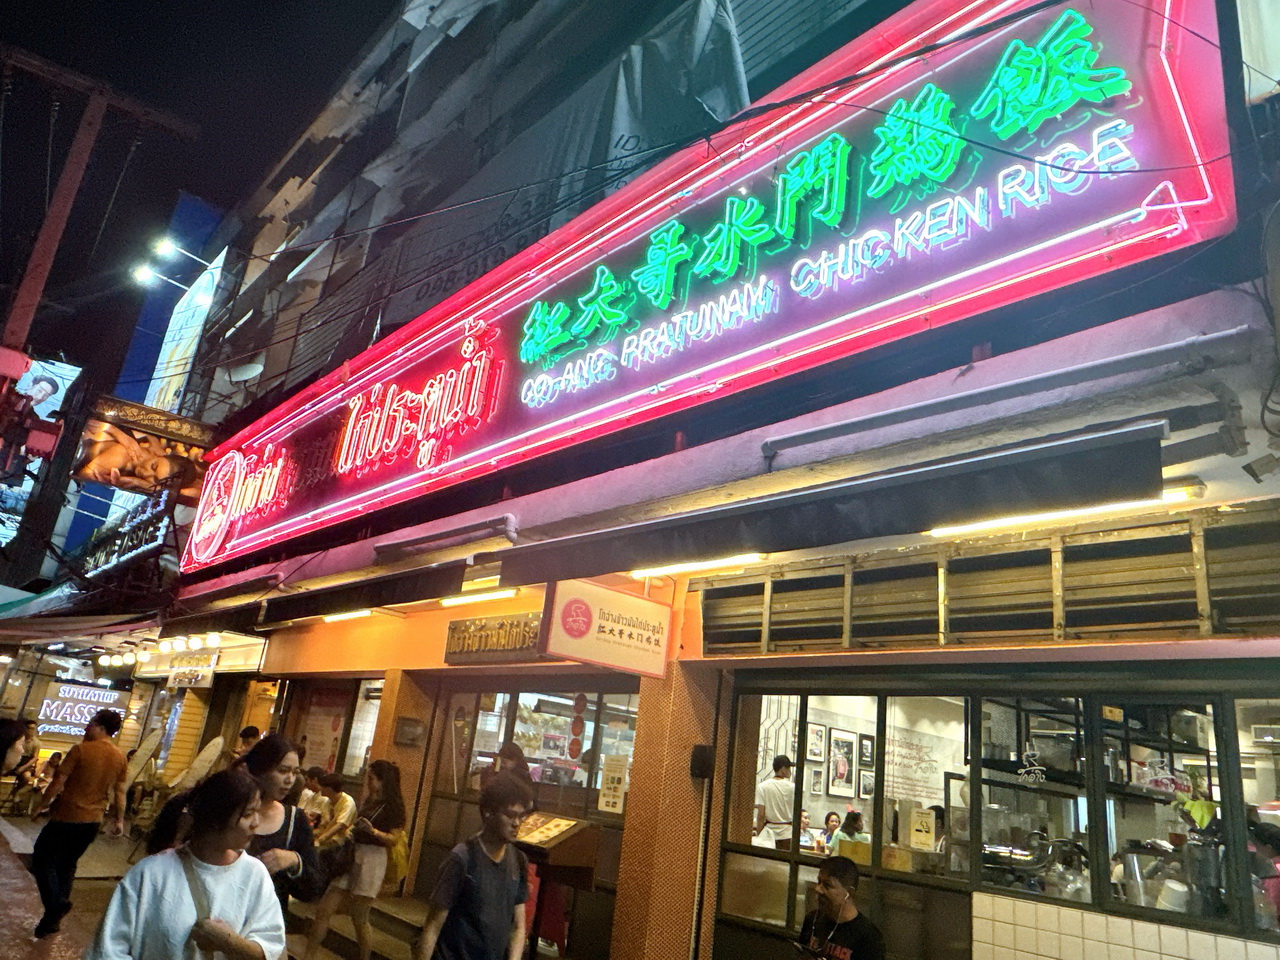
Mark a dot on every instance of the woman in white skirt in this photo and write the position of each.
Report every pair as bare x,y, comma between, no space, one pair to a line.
381,815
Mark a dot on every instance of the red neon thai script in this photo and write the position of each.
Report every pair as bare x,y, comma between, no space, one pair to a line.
262,486
388,422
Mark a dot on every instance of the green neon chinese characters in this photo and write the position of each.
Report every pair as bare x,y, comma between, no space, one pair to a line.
546,339
741,228
822,171
656,280
1033,84
918,141
603,313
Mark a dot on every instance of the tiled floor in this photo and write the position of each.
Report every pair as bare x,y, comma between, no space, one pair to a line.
20,909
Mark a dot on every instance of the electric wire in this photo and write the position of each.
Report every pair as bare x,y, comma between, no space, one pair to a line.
54,106
115,192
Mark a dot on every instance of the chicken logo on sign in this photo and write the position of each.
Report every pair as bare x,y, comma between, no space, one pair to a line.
576,618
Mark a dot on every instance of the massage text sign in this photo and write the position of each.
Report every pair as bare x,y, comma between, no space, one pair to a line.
959,158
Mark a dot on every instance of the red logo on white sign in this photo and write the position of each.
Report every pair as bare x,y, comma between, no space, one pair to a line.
576,618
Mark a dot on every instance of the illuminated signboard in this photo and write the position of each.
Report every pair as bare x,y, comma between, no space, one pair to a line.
67,708
959,158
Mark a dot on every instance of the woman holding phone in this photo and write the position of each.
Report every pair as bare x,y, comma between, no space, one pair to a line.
381,815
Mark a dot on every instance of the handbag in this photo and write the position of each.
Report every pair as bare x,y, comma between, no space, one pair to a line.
336,858
397,861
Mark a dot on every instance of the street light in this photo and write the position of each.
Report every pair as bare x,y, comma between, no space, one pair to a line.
166,248
146,275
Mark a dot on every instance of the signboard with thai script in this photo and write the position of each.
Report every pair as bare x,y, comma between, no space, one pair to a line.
961,157
512,639
68,707
589,623
193,670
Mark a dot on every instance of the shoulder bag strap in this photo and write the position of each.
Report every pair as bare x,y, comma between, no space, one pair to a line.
198,895
290,813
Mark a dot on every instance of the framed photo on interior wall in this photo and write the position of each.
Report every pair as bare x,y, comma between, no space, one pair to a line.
866,784
866,750
815,749
842,767
818,779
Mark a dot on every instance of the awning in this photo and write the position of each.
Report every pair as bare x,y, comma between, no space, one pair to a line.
1076,470
241,619
427,583
56,628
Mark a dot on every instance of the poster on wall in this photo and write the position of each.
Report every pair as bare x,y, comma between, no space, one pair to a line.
816,746
841,763
613,783
45,386
866,750
143,450
321,734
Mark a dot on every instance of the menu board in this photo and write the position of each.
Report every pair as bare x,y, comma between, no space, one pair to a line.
541,828
613,783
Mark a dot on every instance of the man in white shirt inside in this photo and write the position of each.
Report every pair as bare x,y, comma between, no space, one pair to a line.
775,803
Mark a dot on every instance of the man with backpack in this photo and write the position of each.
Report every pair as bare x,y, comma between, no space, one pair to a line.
476,911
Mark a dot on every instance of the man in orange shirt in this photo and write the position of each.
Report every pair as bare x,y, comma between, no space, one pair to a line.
91,773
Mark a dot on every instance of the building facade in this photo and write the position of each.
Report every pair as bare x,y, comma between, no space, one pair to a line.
919,416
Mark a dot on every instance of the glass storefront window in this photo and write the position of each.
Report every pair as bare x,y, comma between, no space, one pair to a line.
556,731
924,751
763,805
1035,816
839,776
1162,797
617,738
491,728
1258,731
363,723
459,722
755,889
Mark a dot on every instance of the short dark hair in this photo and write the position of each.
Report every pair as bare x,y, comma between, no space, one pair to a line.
49,380
250,733
331,781
841,869
109,721
504,791
315,773
1265,833
29,723
781,761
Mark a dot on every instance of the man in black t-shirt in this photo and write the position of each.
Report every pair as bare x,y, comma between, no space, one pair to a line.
477,908
836,930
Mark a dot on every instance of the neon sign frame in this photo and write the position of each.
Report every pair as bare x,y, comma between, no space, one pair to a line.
1187,197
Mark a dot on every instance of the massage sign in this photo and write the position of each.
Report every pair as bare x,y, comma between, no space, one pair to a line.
960,158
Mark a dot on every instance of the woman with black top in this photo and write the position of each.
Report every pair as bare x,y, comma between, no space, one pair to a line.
381,815
282,840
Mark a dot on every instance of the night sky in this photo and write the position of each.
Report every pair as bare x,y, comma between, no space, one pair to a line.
250,75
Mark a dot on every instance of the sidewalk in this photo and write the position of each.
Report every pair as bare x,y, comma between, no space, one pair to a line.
21,909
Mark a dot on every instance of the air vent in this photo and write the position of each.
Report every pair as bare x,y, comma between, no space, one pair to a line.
1264,733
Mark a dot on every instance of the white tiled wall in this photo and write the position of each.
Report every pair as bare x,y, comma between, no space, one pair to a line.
1009,929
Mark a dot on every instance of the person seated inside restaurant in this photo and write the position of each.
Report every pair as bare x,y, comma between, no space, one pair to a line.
831,823
852,830
837,930
808,839
342,809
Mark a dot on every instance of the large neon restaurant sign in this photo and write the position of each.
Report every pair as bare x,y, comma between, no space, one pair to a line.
960,158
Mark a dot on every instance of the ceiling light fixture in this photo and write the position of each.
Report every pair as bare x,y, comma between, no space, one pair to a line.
213,641
478,597
104,660
144,656
694,566
129,659
164,646
349,615
179,644
1177,492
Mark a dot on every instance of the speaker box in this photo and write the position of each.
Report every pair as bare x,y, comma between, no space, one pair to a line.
702,761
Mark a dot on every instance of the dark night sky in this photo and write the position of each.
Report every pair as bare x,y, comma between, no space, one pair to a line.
251,75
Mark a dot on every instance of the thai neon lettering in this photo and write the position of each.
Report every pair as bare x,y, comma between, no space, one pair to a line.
598,366
604,310
1032,84
746,303
388,422
656,280
822,172
262,484
918,141
734,240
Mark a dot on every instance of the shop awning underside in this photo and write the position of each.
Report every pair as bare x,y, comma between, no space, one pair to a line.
1116,465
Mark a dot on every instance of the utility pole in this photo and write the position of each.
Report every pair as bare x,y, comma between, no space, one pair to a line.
47,440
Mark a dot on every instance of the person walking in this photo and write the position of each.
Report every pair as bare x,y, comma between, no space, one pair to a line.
382,817
207,894
282,839
89,777
476,911
11,734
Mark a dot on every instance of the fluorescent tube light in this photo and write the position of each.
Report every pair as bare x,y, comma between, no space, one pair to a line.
349,615
484,596
737,562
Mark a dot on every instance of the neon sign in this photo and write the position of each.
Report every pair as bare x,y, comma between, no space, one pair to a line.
1031,148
